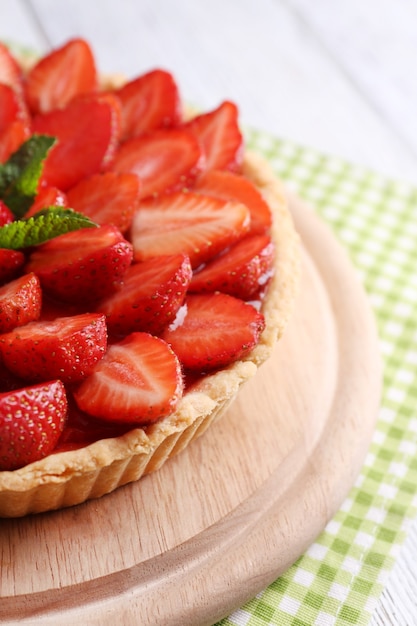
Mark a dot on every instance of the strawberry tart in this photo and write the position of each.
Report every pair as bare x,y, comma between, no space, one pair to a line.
148,265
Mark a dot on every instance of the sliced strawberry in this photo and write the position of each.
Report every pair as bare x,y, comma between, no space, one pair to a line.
11,261
165,160
82,266
60,76
214,330
10,72
151,294
12,138
31,422
230,186
67,348
6,216
109,198
138,381
20,302
87,132
219,134
149,102
46,197
240,271
196,225
9,106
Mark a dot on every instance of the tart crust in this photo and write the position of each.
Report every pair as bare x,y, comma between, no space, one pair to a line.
68,478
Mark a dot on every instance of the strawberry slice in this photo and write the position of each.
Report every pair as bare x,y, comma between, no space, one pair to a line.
241,271
150,296
67,348
12,138
138,381
165,160
31,422
10,72
46,197
20,302
87,131
83,265
149,102
196,225
214,330
11,261
219,134
230,186
108,198
60,76
6,216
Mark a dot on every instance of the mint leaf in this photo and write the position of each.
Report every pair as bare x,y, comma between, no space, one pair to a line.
47,224
19,176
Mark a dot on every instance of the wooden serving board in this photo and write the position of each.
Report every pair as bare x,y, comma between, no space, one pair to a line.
218,523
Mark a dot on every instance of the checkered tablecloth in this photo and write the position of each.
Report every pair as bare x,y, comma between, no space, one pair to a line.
341,576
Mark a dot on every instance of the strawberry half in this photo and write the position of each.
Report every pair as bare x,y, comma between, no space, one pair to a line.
220,137
230,186
164,161
10,72
138,381
108,198
241,271
189,223
60,76
11,261
150,296
31,422
214,330
6,216
82,266
20,302
67,348
149,102
46,197
87,131
12,138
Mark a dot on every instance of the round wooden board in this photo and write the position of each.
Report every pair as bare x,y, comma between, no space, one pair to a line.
222,520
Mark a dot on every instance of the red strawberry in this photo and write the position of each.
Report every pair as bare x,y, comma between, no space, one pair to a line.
191,223
87,132
31,422
10,72
138,381
46,197
229,186
149,102
6,216
151,294
20,302
10,263
67,348
240,271
12,138
214,330
219,134
9,106
165,160
108,198
83,265
60,76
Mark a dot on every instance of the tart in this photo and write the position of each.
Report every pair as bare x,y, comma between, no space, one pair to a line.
119,452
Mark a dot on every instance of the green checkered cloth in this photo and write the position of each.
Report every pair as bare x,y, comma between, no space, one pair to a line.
341,576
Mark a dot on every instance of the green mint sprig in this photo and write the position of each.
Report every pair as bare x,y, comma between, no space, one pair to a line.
20,175
44,225
19,181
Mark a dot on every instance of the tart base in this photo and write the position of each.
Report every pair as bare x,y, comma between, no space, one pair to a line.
68,478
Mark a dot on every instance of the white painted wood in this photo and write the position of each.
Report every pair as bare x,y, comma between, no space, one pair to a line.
17,23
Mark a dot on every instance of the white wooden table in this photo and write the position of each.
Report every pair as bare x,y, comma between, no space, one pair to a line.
336,76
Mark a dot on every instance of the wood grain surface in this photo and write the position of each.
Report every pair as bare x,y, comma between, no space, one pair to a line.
222,520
